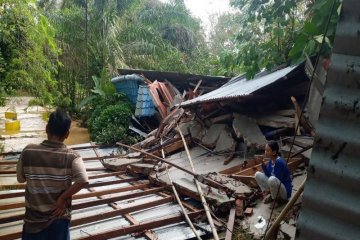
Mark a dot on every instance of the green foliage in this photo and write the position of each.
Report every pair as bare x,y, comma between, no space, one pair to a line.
312,33
267,32
110,118
163,36
27,49
271,33
111,124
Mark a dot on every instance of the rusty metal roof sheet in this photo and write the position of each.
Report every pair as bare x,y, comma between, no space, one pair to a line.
331,198
240,86
181,81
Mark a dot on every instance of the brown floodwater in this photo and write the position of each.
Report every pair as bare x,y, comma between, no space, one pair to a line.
32,130
77,134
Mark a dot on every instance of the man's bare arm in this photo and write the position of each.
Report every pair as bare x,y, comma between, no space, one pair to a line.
61,202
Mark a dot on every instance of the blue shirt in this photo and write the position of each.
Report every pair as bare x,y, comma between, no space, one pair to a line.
280,171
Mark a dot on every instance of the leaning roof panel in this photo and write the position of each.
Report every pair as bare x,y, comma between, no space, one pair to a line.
240,86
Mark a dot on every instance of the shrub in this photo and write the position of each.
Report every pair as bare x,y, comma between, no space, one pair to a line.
110,118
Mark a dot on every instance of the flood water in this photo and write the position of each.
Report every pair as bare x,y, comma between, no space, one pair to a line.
32,130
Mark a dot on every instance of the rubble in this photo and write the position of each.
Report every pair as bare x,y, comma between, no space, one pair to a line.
226,131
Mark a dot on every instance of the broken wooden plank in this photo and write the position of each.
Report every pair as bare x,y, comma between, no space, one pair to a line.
301,118
230,224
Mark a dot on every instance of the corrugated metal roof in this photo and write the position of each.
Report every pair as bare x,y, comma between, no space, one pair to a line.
144,104
330,208
240,86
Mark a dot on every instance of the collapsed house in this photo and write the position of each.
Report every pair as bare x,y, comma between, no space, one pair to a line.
224,129
219,124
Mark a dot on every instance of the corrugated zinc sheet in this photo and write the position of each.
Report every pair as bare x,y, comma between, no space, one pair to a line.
144,104
331,200
240,86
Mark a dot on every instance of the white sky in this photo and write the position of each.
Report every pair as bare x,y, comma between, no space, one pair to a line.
206,10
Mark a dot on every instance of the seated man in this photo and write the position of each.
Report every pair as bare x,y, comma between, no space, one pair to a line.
275,173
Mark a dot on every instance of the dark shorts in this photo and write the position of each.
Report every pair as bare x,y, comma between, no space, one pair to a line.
57,230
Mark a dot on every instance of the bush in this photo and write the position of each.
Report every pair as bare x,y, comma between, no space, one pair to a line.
110,118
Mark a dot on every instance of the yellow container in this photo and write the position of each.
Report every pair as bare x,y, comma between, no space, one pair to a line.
11,115
12,125
45,116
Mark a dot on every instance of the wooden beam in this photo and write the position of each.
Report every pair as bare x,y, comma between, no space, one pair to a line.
111,191
102,216
107,175
137,228
292,164
106,183
87,169
11,236
80,196
11,195
7,172
76,196
80,221
8,162
13,218
12,206
116,198
248,180
12,186
22,204
230,225
73,148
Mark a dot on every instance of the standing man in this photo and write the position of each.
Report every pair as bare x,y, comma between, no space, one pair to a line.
49,169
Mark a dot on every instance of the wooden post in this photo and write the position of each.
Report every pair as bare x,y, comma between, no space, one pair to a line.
206,207
230,224
178,199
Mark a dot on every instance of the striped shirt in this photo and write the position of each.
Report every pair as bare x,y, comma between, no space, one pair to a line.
49,169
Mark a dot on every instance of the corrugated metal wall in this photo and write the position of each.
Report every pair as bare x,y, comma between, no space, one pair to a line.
331,200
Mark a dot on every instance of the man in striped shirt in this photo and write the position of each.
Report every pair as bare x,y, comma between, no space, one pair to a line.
49,169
